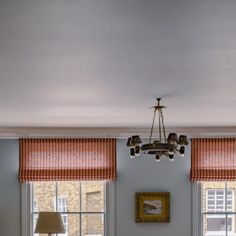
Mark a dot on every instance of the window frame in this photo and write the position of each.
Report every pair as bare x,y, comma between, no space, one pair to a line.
26,209
197,211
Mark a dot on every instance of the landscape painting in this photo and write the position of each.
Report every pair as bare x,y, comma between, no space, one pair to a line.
152,207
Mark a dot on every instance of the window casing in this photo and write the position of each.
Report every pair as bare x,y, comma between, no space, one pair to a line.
73,217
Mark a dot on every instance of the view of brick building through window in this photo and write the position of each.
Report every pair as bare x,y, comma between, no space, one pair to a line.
219,208
81,205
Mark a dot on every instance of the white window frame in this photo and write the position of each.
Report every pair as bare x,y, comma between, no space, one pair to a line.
27,208
197,225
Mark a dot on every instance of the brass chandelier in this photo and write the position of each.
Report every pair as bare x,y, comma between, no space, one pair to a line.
163,146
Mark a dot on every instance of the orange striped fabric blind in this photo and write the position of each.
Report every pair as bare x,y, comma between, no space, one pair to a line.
67,159
213,159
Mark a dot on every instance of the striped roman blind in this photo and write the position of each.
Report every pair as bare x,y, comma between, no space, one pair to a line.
67,159
213,159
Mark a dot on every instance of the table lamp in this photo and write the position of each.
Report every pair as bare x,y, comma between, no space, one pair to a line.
49,223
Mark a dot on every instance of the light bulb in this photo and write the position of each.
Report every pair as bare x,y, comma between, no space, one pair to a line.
132,153
137,150
181,151
171,157
157,158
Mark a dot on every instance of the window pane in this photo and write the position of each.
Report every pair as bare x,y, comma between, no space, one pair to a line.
73,227
214,225
231,226
219,202
92,225
92,198
220,192
70,192
44,196
211,192
69,198
35,218
211,202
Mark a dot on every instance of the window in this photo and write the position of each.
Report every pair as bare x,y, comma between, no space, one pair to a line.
84,169
218,212
85,206
213,169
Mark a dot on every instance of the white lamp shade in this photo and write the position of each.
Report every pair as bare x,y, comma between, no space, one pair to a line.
49,222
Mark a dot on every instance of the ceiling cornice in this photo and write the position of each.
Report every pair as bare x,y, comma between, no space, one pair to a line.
46,132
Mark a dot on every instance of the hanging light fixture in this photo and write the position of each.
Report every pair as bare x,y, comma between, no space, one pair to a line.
161,147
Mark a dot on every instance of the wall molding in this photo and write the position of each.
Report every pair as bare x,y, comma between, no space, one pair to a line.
70,132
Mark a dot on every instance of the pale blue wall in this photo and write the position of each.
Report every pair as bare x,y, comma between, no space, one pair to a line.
133,176
9,188
144,175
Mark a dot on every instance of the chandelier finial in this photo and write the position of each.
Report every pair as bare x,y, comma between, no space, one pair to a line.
158,101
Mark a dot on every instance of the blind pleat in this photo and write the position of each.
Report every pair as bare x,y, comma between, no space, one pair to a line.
213,159
67,159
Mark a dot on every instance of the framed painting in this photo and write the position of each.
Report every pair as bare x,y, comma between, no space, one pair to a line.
152,207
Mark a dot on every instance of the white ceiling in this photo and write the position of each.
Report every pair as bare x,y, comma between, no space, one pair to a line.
102,63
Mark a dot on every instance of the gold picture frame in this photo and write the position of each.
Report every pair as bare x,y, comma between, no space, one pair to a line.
152,207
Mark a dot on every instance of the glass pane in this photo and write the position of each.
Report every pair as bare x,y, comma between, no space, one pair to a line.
211,192
44,196
35,218
231,224
220,192
92,225
92,196
219,202
73,226
215,225
213,196
68,196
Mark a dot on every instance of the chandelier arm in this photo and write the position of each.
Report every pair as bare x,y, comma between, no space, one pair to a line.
163,126
153,121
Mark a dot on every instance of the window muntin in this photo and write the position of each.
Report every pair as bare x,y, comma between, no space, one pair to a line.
218,210
79,202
